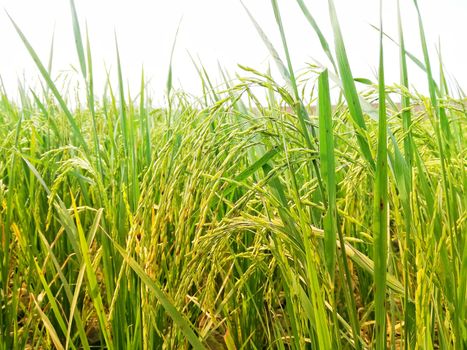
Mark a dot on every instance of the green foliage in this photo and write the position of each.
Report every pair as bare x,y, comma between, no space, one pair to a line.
227,223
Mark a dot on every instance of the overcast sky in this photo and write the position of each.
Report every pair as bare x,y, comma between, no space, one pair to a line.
220,31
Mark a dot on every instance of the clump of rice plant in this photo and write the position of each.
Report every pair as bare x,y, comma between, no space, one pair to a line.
305,222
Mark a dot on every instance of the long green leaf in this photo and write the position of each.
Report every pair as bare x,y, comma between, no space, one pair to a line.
319,33
78,39
349,89
406,187
280,65
74,127
178,318
328,168
380,205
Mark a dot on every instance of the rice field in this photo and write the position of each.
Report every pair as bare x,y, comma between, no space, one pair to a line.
225,222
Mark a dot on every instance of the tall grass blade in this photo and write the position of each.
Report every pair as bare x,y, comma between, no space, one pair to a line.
74,127
444,135
176,316
380,205
324,43
78,39
406,192
328,166
349,89
298,105
277,60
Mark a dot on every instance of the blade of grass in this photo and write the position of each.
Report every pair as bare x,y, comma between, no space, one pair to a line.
443,136
380,205
74,127
349,89
178,318
298,104
48,325
144,121
319,33
328,166
406,191
93,286
78,38
87,72
128,130
277,60
328,169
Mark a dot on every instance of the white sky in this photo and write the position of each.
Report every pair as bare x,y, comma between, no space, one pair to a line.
220,30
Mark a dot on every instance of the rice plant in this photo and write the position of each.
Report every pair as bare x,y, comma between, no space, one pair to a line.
309,221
